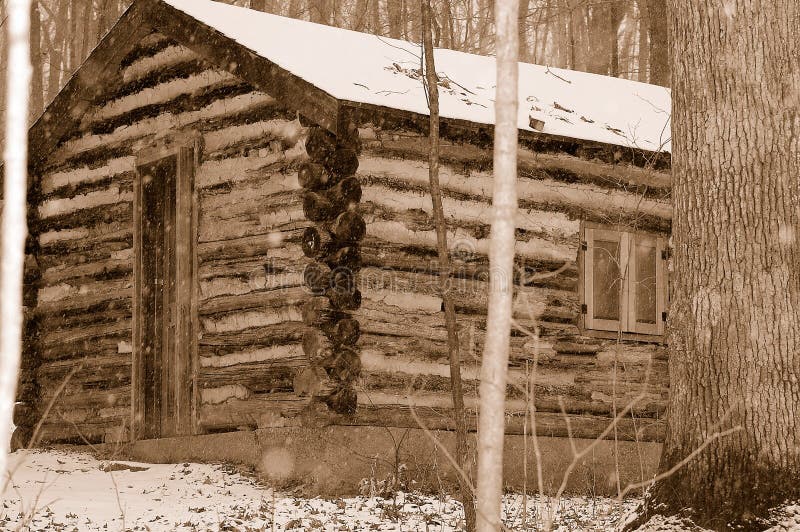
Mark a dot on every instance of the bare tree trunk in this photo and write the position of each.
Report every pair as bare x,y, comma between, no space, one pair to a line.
448,33
598,24
491,426
57,65
394,13
644,43
659,43
485,26
320,11
375,17
86,31
431,83
360,17
615,18
522,28
14,223
734,324
37,89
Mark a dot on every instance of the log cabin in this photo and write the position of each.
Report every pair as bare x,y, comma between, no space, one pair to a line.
231,230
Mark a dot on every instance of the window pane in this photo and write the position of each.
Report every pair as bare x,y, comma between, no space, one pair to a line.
606,280
645,284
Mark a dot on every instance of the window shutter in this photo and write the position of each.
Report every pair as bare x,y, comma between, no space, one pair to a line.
604,287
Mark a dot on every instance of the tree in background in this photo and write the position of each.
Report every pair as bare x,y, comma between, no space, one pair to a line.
494,366
732,449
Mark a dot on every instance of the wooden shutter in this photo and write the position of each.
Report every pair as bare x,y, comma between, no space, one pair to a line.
646,285
605,292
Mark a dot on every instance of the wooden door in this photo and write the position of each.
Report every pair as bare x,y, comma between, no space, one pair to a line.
164,280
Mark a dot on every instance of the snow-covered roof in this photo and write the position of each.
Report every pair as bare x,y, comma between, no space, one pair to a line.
368,69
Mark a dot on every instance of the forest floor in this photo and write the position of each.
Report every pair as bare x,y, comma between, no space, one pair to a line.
68,491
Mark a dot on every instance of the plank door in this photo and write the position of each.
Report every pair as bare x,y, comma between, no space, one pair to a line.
163,346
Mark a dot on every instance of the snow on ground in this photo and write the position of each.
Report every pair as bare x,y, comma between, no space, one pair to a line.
64,491
67,491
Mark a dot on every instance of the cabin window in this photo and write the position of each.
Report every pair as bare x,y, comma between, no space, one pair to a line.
623,284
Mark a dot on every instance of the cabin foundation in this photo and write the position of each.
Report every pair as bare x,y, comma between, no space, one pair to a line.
334,461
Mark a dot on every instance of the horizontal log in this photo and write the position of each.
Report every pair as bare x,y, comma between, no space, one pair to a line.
63,297
391,201
377,411
98,346
258,411
276,355
103,312
244,247
253,300
232,170
533,164
75,397
422,291
270,335
52,337
118,246
396,257
258,377
572,198
258,280
112,268
391,411
81,433
250,319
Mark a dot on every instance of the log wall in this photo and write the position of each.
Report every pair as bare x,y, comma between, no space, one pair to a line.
248,251
252,301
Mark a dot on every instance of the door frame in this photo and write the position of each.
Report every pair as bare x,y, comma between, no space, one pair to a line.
187,147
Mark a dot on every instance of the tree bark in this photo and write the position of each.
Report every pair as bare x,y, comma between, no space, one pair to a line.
615,14
37,89
659,43
734,331
491,427
522,28
394,13
57,59
14,224
431,84
644,43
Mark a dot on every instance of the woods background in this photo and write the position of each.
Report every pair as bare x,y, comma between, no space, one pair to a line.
624,38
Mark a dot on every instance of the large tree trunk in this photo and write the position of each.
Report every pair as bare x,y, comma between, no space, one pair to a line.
735,321
494,367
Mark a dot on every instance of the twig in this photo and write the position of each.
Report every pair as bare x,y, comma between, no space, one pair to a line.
548,71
